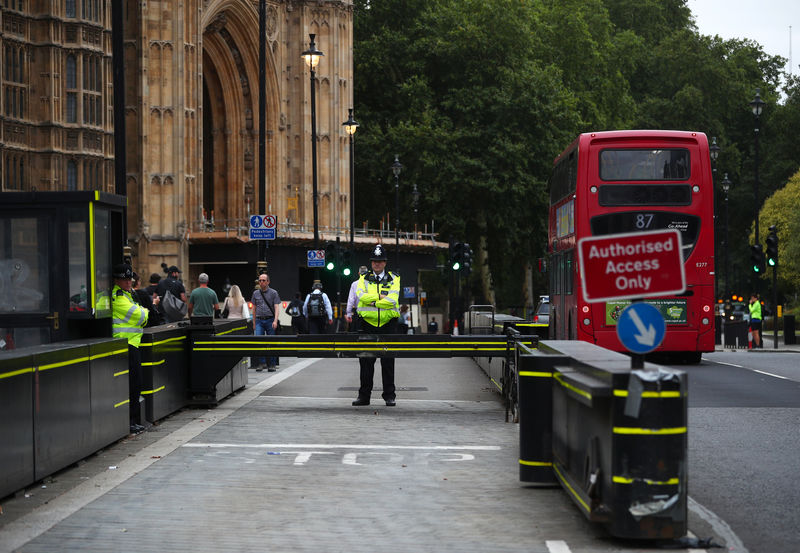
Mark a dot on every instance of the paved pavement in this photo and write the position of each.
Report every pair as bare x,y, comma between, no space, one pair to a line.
289,465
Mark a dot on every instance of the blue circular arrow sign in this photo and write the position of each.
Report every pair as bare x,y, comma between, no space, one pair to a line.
641,328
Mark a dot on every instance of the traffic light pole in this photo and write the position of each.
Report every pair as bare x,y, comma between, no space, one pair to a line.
775,306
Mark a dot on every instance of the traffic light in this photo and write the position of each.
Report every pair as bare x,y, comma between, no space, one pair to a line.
330,256
757,259
345,262
772,247
466,258
456,255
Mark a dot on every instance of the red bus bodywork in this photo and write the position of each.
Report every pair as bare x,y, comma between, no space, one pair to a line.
650,180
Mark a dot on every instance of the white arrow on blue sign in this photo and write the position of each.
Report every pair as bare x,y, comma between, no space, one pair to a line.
641,328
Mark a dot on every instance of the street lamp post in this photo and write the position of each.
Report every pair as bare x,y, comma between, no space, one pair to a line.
396,168
415,198
312,57
714,154
757,104
350,127
726,186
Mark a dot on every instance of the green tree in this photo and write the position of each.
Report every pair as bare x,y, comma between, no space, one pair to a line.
781,210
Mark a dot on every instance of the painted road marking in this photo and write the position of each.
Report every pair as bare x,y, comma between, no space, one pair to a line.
350,446
557,546
747,368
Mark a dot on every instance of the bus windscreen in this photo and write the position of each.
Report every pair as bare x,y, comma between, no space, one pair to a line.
644,164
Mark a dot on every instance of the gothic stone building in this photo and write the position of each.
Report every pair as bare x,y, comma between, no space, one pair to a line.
192,124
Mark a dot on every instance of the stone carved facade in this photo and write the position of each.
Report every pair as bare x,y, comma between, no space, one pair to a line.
191,111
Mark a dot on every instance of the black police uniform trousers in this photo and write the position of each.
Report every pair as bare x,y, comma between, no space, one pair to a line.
134,383
367,364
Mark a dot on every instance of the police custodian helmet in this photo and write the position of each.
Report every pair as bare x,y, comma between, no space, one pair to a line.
378,253
122,270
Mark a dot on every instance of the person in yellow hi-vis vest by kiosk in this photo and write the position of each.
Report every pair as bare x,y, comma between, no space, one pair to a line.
378,293
128,320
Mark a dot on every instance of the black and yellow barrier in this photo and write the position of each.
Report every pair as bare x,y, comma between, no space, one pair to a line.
210,382
58,404
355,345
617,438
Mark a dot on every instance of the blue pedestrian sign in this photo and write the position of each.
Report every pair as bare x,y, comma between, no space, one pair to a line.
641,328
262,227
315,258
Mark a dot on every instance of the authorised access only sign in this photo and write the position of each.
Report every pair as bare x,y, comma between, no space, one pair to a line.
631,265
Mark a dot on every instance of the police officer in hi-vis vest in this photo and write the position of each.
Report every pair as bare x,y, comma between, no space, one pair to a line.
378,293
128,320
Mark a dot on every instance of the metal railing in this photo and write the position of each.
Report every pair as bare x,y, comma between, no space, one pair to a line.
240,227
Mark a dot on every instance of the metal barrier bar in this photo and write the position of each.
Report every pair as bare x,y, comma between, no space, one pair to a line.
358,345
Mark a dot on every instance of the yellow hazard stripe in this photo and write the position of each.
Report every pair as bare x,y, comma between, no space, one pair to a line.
17,372
496,383
151,344
92,268
649,431
570,489
62,363
337,344
558,377
120,373
108,354
535,325
535,373
623,480
121,403
662,395
151,363
536,463
147,392
233,330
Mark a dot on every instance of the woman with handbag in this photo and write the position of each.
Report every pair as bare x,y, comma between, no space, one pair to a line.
235,306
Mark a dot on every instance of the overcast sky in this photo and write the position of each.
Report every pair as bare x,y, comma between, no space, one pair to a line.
765,21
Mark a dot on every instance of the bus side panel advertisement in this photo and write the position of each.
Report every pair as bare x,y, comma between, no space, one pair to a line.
674,311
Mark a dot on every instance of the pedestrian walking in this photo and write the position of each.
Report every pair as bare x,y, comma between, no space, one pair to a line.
755,320
172,309
317,310
265,302
235,306
203,301
378,293
295,311
350,314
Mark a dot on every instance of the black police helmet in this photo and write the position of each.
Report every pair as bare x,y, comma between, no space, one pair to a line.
122,270
378,253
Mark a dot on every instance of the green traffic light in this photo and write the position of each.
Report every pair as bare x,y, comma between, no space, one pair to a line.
771,262
346,271
456,266
330,265
756,269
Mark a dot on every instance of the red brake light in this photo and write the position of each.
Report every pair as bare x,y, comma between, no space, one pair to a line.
536,318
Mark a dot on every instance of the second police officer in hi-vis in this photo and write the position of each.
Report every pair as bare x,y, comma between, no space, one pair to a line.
378,293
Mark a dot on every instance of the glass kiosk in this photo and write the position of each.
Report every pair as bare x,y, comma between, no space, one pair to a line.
56,254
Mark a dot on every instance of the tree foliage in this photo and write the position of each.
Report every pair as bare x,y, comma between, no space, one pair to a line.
477,97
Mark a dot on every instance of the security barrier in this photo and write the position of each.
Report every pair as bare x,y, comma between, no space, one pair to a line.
735,333
58,404
614,438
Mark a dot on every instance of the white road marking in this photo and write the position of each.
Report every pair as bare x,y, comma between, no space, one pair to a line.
557,546
748,368
26,528
347,446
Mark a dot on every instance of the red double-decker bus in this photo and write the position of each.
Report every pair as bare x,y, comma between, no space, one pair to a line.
633,181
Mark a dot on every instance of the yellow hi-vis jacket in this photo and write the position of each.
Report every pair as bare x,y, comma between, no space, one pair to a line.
378,302
128,317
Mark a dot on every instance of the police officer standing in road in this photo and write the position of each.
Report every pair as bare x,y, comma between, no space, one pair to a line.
128,320
378,293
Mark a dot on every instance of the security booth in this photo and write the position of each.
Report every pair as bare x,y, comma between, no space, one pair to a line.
56,254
